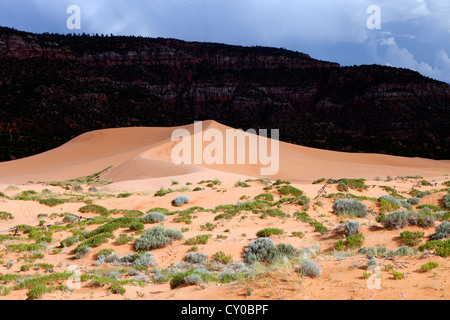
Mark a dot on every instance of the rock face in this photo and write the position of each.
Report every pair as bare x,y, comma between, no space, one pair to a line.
54,87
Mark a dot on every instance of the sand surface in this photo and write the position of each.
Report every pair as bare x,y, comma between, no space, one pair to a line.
141,165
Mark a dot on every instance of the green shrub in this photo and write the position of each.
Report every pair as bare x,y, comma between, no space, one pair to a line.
163,191
441,231
117,289
38,291
319,181
298,234
6,215
52,202
200,239
411,238
242,184
442,247
351,228
350,207
413,200
339,245
447,200
262,249
264,196
290,190
267,232
427,267
94,208
157,237
355,241
398,275
222,257
95,241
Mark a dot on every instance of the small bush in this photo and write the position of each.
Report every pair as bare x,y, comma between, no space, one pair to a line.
262,249
442,247
157,237
242,184
441,231
201,239
427,267
290,190
411,238
52,202
447,200
398,275
355,241
264,196
222,257
94,208
413,200
82,251
267,232
179,201
196,257
350,207
310,269
403,251
351,228
6,215
153,217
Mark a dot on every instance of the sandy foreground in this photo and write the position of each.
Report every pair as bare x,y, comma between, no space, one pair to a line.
141,165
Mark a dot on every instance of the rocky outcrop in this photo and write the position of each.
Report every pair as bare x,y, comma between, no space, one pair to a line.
54,87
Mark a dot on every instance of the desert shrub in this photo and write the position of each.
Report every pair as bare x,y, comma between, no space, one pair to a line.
388,203
95,241
413,200
290,190
442,247
222,257
82,251
339,245
38,291
298,234
264,196
286,250
200,239
52,202
153,217
196,257
6,215
124,195
137,226
355,241
179,201
117,289
398,275
94,208
67,242
403,251
373,251
319,181
398,219
351,228
262,249
441,231
163,191
267,232
157,237
425,220
242,184
344,184
411,238
447,200
427,267
310,269
350,207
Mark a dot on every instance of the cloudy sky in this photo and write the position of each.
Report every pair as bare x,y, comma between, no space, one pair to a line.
413,34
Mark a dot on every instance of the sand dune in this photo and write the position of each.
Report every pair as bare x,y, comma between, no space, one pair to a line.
143,153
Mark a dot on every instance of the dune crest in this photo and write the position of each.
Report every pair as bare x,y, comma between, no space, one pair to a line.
143,153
